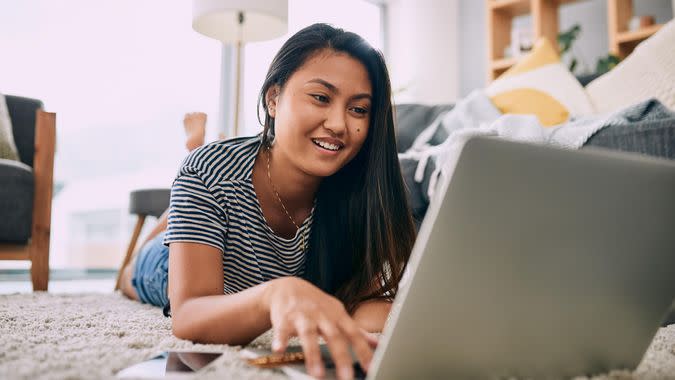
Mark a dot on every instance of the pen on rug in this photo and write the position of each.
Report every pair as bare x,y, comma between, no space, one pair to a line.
274,360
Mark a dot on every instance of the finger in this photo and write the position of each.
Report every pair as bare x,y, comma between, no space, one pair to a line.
309,340
339,349
358,341
281,334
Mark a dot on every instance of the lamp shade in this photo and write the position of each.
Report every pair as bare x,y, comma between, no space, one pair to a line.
219,19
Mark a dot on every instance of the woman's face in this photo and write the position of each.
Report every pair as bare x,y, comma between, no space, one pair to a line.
323,113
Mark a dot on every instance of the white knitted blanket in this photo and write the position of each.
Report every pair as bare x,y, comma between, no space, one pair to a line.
475,115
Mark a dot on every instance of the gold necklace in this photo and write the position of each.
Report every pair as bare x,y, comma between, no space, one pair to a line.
283,207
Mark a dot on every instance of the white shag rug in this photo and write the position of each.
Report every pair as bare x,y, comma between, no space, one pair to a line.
92,336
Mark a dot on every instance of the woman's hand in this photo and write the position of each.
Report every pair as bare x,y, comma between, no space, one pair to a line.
296,307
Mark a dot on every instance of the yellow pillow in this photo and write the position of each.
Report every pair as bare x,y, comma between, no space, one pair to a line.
539,84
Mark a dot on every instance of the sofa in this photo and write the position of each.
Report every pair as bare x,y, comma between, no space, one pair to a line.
653,138
648,137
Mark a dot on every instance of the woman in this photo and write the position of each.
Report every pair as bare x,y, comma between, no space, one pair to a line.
304,228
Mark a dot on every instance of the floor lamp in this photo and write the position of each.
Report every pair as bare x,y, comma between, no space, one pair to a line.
237,22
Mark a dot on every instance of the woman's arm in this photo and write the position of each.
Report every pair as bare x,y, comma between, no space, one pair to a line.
372,315
200,311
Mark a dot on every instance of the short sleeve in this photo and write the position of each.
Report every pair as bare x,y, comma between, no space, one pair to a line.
195,215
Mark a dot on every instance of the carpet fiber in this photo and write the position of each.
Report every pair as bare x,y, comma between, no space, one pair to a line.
92,336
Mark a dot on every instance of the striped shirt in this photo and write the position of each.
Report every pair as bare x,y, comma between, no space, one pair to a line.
213,202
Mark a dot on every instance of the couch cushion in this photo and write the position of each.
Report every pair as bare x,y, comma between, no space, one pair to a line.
16,201
411,119
7,146
22,112
418,199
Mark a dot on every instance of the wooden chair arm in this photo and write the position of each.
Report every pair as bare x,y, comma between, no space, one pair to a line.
43,167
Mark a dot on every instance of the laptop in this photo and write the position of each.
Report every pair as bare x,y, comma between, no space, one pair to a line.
535,262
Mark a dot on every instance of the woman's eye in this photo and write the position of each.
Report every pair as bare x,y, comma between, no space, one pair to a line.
321,98
360,110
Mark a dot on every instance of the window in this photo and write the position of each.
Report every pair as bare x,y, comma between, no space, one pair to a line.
120,75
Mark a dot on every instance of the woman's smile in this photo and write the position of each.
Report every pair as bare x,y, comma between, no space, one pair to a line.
328,145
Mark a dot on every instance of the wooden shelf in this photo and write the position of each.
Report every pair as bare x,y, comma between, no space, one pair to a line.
519,7
637,35
622,41
500,15
511,7
544,13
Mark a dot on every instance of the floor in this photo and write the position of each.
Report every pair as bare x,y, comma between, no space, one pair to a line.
18,281
61,286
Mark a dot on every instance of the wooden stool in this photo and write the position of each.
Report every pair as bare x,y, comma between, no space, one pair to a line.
144,202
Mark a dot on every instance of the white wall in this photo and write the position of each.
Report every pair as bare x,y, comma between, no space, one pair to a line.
422,50
472,53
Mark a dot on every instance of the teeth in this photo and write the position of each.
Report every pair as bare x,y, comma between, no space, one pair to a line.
326,145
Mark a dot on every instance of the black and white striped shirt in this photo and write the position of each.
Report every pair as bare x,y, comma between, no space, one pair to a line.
213,202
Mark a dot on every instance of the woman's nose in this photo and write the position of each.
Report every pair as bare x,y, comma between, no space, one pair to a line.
335,121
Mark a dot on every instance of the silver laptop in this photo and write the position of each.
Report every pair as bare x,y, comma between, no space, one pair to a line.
536,262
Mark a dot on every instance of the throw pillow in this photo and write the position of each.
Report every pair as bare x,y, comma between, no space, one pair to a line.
7,146
649,72
539,84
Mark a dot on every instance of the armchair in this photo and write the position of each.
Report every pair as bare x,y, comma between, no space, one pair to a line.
26,188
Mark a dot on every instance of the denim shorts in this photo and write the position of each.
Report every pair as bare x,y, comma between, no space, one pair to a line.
151,272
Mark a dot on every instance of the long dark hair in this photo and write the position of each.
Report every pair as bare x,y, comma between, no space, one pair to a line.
363,230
